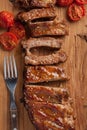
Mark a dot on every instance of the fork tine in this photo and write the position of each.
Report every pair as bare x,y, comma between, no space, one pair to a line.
8,67
14,66
11,65
5,74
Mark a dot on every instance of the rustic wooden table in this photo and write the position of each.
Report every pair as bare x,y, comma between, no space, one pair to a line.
76,67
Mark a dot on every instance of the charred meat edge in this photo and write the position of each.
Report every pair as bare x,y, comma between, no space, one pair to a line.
38,74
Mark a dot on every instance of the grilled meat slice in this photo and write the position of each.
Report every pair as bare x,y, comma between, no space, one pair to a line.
48,28
37,15
47,116
56,57
37,74
42,3
47,94
49,108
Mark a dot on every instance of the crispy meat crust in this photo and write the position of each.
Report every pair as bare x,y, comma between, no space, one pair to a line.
46,94
48,28
37,14
37,74
56,57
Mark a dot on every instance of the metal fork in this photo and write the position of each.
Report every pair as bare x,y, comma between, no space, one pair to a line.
10,76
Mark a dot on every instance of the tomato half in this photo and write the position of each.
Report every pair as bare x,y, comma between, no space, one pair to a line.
18,29
76,12
8,41
81,2
64,2
6,19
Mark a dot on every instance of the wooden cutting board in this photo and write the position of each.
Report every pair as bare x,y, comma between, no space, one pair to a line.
76,67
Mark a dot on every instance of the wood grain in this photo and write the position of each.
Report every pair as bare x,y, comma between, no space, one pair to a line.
76,67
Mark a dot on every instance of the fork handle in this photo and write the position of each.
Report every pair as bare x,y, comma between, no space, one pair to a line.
14,120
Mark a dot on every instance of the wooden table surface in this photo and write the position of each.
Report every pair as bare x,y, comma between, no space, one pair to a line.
75,66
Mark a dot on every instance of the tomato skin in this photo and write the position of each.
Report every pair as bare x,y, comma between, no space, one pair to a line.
8,41
76,12
18,29
64,2
6,19
81,2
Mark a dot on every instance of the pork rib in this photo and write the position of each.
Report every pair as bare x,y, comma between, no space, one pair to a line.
47,116
37,74
47,94
56,57
48,28
37,14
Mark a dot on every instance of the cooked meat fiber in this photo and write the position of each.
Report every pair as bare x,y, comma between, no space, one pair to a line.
43,3
46,94
48,28
47,116
37,74
56,57
37,14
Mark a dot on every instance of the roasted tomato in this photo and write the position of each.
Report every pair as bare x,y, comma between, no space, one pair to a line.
18,29
8,40
64,2
6,19
76,12
81,2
